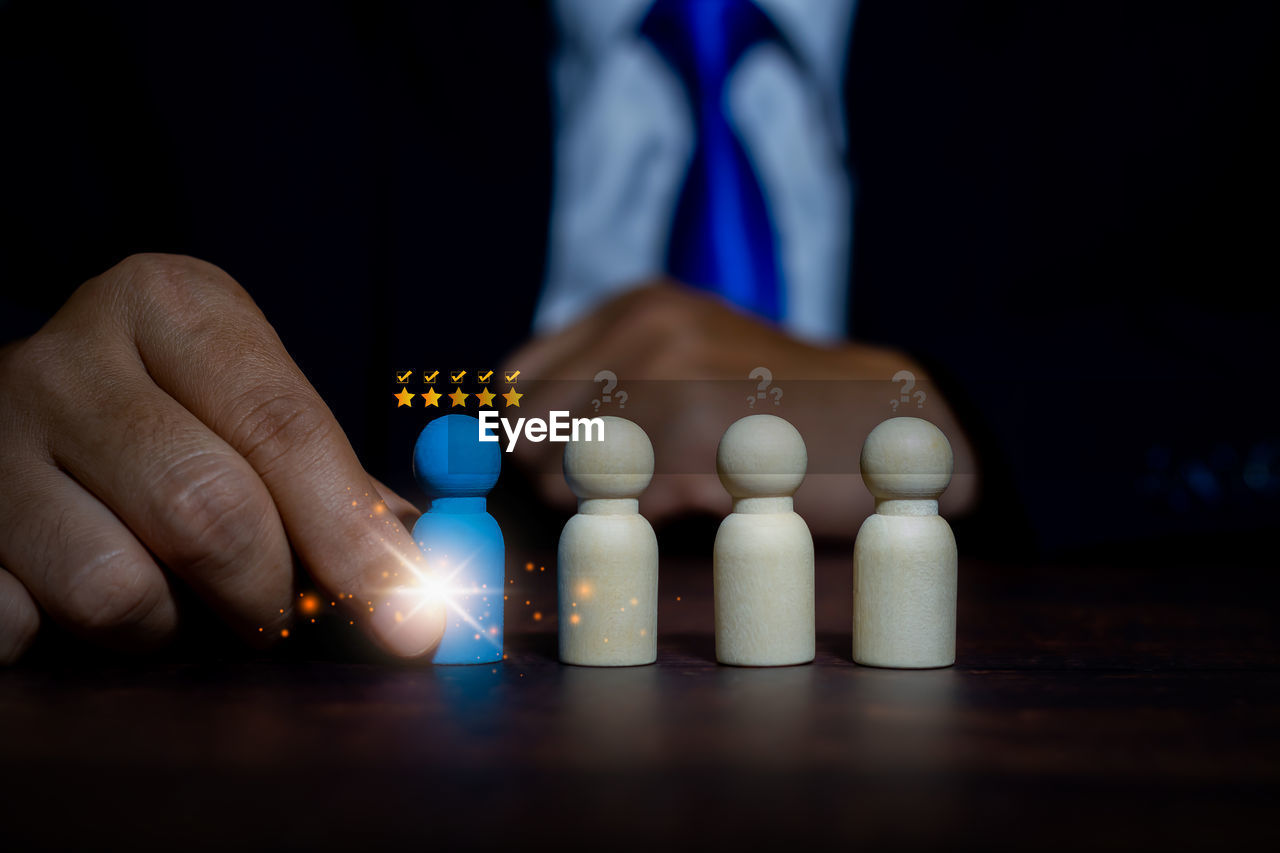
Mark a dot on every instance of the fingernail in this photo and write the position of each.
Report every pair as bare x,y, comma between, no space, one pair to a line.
410,621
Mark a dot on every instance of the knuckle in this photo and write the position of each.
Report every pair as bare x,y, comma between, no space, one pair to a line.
215,513
153,275
177,287
154,269
35,357
112,591
273,427
27,396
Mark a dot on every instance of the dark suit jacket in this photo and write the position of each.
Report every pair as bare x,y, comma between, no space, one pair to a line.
1067,212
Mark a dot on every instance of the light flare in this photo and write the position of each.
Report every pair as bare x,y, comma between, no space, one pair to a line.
438,586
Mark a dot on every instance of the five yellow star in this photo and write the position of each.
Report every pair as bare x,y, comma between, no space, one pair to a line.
431,398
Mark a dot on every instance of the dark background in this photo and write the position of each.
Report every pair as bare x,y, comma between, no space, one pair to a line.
1066,211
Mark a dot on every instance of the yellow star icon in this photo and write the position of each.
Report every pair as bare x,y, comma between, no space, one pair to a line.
486,397
404,398
431,398
512,398
458,398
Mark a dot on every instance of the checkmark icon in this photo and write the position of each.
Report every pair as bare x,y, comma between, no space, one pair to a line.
430,377
457,377
511,376
404,377
484,377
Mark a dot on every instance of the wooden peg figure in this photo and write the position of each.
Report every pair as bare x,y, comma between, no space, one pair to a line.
904,560
607,573
763,560
460,539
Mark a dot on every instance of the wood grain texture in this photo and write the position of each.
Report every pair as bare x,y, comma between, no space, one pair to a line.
1108,706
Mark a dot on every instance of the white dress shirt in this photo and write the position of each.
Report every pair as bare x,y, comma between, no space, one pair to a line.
624,138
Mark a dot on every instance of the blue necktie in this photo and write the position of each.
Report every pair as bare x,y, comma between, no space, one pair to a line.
722,239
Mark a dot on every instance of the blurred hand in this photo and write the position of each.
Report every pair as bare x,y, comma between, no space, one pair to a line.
664,331
156,424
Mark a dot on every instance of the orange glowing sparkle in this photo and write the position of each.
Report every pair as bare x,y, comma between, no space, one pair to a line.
309,605
528,567
284,632
537,616
574,619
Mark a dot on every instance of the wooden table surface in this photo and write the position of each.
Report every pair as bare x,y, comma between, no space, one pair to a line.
1092,705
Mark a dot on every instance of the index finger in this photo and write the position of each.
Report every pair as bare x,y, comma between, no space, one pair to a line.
225,364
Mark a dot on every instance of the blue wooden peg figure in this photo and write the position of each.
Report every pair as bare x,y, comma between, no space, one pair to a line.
459,538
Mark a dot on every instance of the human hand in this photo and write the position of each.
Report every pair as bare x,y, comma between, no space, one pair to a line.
692,354
156,424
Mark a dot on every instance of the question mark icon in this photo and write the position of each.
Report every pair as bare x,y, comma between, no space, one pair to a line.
919,395
596,403
777,396
765,377
622,399
751,401
909,381
610,380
